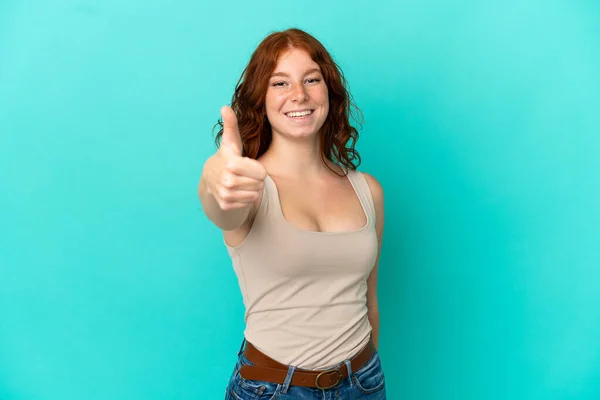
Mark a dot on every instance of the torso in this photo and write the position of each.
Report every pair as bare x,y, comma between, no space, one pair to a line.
329,205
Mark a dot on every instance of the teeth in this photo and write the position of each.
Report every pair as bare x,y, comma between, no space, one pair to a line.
299,114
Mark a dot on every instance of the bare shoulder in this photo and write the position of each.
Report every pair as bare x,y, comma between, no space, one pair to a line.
376,188
377,193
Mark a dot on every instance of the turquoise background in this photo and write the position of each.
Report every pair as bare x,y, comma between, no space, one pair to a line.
482,123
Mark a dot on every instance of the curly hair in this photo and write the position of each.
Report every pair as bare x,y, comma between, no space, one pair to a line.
337,137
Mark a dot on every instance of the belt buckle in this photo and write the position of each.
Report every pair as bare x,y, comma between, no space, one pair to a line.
329,371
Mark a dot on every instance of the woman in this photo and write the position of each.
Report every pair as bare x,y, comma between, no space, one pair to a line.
302,226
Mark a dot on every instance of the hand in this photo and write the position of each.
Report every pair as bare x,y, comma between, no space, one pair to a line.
234,181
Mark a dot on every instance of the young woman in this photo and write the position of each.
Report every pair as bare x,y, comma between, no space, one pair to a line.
302,225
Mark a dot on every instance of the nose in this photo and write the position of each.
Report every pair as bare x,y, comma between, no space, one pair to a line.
299,93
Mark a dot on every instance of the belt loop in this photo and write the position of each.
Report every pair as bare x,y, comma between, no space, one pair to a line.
349,368
288,379
242,346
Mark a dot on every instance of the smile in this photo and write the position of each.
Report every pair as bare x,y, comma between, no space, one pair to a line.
299,114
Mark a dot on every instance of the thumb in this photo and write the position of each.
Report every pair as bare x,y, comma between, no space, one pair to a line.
231,133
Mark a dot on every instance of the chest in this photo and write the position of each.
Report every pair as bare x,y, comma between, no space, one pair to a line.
332,206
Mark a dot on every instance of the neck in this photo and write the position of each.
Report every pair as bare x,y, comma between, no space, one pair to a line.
295,158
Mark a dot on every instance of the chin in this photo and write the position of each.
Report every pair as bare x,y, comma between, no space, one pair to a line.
295,132
302,133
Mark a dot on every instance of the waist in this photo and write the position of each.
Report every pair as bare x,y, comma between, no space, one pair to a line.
267,369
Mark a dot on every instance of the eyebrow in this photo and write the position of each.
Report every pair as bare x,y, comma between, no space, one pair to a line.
310,71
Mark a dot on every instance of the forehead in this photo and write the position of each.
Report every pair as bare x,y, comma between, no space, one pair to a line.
293,60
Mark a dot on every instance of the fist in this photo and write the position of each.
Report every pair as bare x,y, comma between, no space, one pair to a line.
234,181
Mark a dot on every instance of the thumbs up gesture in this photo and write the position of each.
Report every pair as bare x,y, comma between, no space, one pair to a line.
234,181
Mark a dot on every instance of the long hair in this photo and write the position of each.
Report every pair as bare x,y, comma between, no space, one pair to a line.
337,137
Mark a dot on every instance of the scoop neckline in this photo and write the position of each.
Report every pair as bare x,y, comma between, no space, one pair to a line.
323,233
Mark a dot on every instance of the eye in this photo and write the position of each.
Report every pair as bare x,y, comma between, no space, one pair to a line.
278,84
313,80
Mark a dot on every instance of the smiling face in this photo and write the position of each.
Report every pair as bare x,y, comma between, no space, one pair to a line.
297,99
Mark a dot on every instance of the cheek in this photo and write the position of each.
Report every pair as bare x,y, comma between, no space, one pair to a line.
322,96
274,101
273,105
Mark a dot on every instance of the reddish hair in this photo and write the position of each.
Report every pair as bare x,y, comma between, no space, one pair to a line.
337,137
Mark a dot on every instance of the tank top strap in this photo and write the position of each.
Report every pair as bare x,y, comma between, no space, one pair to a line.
270,208
362,189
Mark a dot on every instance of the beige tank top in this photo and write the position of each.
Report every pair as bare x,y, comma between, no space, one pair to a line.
305,292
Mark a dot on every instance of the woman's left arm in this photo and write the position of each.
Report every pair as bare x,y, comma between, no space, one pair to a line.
372,303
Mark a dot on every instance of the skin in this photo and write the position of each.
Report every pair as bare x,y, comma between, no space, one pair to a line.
296,84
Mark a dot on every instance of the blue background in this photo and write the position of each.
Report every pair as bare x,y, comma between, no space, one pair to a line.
482,123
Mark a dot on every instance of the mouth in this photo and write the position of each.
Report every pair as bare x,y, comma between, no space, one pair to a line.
298,115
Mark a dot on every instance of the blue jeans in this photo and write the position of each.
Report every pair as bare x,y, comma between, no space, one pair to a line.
367,383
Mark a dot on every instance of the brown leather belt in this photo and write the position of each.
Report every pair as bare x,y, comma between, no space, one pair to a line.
268,370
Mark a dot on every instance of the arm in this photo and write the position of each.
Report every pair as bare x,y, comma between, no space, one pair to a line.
372,303
230,184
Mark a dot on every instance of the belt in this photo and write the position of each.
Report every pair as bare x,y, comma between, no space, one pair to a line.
268,370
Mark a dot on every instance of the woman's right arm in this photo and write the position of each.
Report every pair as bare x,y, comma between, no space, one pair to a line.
230,184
